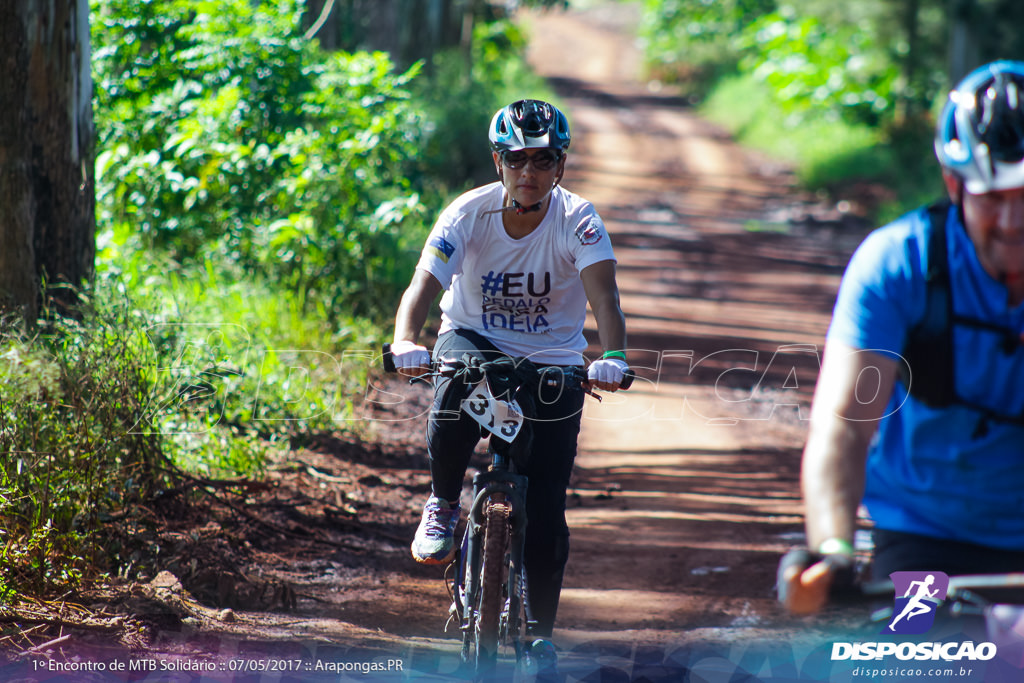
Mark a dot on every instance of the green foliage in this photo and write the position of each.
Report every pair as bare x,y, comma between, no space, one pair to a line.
693,39
102,412
224,133
461,95
815,68
261,362
842,90
746,106
818,58
829,153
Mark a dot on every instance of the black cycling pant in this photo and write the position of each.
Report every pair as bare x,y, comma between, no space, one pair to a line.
452,439
900,551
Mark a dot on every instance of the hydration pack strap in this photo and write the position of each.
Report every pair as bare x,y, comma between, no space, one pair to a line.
930,370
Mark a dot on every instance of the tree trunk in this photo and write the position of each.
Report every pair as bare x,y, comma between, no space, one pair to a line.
907,100
468,24
47,196
964,54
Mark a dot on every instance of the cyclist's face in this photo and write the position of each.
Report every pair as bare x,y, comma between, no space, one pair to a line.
530,174
995,224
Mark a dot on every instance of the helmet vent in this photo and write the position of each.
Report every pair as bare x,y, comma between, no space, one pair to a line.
980,135
528,124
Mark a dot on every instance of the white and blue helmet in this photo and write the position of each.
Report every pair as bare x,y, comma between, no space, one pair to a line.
529,124
980,135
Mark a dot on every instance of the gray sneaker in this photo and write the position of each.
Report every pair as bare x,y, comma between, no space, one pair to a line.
435,538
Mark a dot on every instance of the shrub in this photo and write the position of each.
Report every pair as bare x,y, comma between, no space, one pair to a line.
224,133
71,456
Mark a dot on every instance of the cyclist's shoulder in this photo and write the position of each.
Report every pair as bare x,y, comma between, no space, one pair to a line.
910,228
578,222
470,203
899,247
571,205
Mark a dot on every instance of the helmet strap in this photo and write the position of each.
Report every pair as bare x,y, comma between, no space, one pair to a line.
520,209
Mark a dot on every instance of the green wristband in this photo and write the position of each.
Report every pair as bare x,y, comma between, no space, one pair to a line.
836,546
613,354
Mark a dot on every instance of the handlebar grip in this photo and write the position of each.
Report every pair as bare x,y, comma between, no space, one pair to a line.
627,379
799,558
387,360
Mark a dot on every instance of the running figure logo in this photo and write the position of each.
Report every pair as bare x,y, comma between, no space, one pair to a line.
914,612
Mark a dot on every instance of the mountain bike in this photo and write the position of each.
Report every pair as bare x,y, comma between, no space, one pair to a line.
487,579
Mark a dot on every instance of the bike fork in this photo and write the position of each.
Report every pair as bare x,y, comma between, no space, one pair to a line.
507,488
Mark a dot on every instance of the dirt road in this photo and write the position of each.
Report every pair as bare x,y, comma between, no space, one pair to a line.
685,492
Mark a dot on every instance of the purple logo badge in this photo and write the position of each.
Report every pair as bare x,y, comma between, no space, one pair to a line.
916,596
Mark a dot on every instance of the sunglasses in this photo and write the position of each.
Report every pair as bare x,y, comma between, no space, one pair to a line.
543,160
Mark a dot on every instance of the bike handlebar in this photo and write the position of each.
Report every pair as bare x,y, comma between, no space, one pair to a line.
1007,587
448,368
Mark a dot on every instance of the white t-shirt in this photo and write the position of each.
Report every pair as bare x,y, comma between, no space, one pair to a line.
524,295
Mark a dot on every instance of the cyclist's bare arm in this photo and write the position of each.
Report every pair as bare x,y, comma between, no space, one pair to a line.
415,305
851,396
414,308
603,297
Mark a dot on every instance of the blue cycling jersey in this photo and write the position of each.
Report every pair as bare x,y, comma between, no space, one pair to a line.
931,471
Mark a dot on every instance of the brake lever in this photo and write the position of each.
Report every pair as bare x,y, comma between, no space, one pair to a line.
627,381
587,389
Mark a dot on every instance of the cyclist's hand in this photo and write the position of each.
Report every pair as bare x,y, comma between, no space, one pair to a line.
806,580
607,374
411,359
806,590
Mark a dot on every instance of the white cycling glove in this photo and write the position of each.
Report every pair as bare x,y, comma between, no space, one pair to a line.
607,371
408,355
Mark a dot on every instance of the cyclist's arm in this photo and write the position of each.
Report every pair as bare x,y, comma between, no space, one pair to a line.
603,296
415,306
851,397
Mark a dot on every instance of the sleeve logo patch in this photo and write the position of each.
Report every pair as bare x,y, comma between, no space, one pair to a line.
441,248
589,234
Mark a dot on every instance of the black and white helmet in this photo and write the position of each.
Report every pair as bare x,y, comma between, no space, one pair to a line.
528,124
980,134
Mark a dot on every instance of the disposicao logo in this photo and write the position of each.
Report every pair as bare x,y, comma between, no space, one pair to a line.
916,596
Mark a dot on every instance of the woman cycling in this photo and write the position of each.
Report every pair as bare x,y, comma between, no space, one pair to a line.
518,260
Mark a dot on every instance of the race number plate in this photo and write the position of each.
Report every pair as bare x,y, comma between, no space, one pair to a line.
504,419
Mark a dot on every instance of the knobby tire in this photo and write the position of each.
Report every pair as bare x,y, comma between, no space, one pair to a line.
492,582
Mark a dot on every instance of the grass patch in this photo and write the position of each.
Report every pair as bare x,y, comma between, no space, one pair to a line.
257,359
828,154
72,456
106,410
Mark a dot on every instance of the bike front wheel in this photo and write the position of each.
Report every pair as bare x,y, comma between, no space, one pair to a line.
492,582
